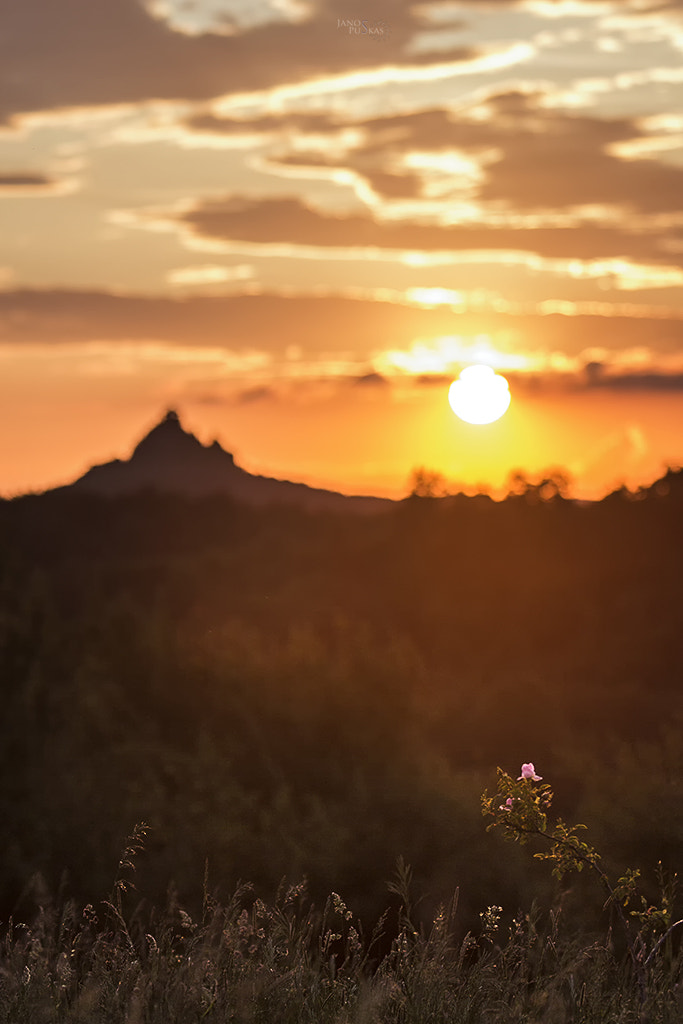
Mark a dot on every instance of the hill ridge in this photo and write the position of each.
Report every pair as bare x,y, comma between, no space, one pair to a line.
172,460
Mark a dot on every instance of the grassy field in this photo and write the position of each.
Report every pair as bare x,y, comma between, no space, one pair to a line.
287,962
289,696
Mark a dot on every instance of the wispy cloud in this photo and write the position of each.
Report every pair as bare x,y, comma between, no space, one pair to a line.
210,274
283,325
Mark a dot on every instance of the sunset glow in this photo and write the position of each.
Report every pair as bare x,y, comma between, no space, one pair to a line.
289,230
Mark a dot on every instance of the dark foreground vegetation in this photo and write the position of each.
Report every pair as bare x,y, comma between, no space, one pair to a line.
286,696
250,961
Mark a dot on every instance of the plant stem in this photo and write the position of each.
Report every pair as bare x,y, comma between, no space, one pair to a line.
636,958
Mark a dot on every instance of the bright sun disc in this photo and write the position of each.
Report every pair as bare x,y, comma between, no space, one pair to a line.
479,395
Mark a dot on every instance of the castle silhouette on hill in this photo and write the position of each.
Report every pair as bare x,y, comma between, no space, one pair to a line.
171,460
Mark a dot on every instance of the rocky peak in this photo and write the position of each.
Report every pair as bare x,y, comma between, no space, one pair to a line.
167,440
170,460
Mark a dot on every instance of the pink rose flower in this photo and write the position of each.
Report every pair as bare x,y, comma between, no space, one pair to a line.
507,806
529,772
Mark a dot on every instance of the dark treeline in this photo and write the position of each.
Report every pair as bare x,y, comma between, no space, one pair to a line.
291,694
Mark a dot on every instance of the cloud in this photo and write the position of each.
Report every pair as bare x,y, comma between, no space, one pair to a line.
207,393
314,325
264,125
289,220
258,393
371,379
430,380
29,183
386,183
209,274
208,398
542,144
648,381
81,53
24,180
507,157
527,148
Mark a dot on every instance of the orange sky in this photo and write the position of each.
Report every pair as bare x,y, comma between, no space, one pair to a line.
358,437
297,231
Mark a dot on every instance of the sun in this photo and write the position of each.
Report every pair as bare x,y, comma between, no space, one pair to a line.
479,395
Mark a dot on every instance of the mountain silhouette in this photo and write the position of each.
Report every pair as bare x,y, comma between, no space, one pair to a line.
171,460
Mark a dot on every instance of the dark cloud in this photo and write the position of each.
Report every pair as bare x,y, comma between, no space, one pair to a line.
260,393
209,398
429,380
245,396
291,220
372,379
278,123
519,381
649,381
25,180
593,372
552,160
597,376
74,53
315,324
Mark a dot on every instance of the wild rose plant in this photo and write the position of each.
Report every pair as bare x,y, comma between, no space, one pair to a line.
519,810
